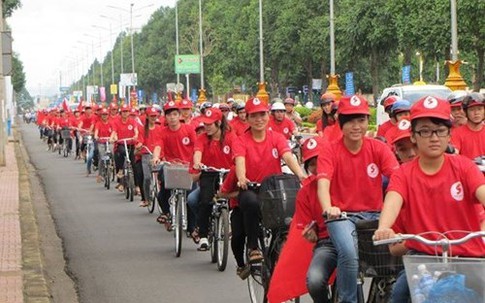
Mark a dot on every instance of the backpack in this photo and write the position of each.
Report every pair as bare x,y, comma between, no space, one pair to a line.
277,196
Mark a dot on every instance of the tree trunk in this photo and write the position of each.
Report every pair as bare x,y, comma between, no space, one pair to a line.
375,71
479,70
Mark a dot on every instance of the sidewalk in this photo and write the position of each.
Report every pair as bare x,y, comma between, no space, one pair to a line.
11,284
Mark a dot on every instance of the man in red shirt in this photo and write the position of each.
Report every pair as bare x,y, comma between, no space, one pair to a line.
113,112
279,122
102,133
359,162
239,124
384,127
456,99
469,139
449,185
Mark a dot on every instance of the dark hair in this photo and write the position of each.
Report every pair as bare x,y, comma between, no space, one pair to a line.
436,121
224,127
328,119
342,119
307,163
168,111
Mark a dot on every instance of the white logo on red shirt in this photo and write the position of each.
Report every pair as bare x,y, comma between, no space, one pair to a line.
430,102
256,101
130,127
311,144
208,113
456,191
372,170
355,101
404,125
275,153
171,103
185,141
226,150
286,130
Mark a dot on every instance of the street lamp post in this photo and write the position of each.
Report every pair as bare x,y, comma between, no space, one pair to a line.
202,97
178,98
455,80
333,78
262,93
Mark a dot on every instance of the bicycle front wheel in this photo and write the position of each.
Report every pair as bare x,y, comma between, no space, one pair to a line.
258,282
213,238
222,239
178,228
131,184
152,199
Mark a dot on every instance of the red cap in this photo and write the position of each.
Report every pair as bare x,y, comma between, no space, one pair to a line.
254,105
211,115
152,111
431,107
170,105
352,105
133,111
125,108
311,148
185,104
389,101
113,106
88,105
403,130
104,111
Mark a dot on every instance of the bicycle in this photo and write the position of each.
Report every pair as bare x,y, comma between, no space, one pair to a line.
153,188
128,179
66,143
218,235
271,241
107,168
176,178
374,263
447,270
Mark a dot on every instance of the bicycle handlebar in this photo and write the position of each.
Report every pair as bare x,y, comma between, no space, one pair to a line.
213,169
147,149
442,242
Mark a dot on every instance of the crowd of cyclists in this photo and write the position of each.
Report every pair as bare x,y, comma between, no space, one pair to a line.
416,176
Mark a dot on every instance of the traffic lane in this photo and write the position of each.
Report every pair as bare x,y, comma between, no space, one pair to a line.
116,250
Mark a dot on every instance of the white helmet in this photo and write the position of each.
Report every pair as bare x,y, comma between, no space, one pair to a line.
278,106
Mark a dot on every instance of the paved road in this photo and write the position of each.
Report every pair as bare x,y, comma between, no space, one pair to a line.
115,250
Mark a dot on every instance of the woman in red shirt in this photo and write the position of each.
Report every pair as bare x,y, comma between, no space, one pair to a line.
258,154
149,138
212,148
450,185
102,129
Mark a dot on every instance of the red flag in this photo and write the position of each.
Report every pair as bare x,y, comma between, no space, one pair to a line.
289,277
65,106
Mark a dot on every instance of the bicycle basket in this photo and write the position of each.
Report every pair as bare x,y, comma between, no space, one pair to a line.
65,134
456,280
375,261
177,176
277,207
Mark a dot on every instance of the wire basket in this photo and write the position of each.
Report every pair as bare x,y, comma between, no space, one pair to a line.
456,280
65,134
277,207
176,176
375,261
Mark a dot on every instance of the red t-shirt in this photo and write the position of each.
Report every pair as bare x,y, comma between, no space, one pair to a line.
230,185
213,154
113,119
178,145
285,127
153,139
355,179
441,202
124,129
104,130
238,126
319,124
74,122
384,127
471,144
390,134
62,122
88,121
262,158
332,133
308,208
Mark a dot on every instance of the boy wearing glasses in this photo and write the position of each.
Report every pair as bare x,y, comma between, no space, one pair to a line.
434,192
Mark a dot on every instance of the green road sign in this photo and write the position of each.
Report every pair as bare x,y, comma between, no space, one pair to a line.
187,64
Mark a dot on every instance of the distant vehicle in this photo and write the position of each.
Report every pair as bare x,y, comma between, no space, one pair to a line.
412,93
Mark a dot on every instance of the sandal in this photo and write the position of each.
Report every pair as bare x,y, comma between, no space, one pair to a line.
255,256
121,188
243,272
195,236
144,204
163,218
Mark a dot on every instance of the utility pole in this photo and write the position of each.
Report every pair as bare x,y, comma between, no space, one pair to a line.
3,137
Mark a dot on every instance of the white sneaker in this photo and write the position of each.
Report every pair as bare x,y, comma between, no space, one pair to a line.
203,244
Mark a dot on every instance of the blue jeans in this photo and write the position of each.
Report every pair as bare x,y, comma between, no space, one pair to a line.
193,205
89,156
400,291
324,262
344,239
